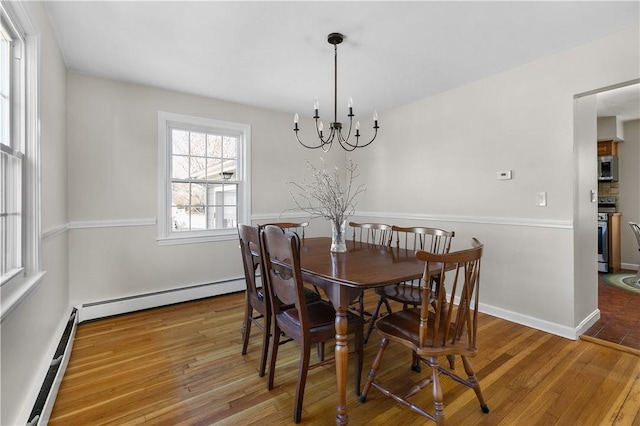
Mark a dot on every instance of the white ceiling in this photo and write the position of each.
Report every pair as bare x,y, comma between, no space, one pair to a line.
275,54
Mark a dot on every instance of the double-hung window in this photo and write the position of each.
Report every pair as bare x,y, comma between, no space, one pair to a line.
204,178
19,156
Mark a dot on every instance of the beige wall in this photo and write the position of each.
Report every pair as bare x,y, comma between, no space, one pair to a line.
31,331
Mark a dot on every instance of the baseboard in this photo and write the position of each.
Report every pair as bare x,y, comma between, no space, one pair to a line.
629,266
107,308
539,324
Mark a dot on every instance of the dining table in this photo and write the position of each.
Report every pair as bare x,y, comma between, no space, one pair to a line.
343,277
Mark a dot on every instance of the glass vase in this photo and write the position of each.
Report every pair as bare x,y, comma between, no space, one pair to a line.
338,244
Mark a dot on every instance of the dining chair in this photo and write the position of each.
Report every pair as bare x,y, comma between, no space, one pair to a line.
636,230
257,301
437,329
256,304
372,233
408,293
306,323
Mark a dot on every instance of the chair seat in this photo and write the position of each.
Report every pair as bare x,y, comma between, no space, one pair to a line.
321,315
404,327
403,293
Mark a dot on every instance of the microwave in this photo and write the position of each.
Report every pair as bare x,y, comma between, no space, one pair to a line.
608,168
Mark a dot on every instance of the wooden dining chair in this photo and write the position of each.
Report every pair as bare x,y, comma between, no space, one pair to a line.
256,304
438,329
257,308
306,323
371,233
636,230
408,293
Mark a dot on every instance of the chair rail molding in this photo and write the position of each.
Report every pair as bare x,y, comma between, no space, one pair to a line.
112,223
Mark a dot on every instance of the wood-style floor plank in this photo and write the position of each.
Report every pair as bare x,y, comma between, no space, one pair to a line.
181,365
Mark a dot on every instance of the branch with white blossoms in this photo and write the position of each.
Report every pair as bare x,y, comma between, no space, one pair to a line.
323,196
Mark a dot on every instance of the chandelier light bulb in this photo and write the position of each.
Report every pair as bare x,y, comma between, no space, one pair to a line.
350,103
316,104
295,118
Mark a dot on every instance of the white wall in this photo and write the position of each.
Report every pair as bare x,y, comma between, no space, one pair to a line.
436,162
31,331
629,154
113,176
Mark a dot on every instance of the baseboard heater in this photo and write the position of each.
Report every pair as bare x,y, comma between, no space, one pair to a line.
47,395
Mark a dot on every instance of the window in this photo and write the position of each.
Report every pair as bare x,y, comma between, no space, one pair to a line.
19,156
204,178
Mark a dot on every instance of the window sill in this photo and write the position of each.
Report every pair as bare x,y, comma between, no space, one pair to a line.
15,291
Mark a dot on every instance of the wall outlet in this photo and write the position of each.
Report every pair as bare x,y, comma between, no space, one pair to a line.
541,199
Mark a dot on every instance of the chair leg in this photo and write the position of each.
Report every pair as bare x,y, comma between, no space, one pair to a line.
359,343
415,362
305,354
246,326
437,391
320,350
273,355
374,317
452,361
475,385
374,369
265,345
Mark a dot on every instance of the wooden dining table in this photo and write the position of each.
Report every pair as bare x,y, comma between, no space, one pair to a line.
343,277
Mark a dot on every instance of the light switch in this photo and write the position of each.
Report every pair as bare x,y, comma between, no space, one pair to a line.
541,199
504,175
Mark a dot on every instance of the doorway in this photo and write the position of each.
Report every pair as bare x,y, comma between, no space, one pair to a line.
617,109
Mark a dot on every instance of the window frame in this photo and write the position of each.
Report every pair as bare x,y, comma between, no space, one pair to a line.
242,177
25,126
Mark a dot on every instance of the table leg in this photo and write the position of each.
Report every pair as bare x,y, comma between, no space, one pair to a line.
342,358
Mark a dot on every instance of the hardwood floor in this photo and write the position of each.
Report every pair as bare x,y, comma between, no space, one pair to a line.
619,321
181,365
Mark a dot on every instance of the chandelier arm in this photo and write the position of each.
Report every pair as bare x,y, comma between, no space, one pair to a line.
357,145
307,146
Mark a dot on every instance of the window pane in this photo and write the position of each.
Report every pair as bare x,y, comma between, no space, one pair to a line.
230,166
179,142
214,168
180,195
10,212
214,146
198,168
180,167
198,144
229,147
5,87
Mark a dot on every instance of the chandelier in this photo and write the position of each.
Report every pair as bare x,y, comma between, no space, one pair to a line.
335,133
